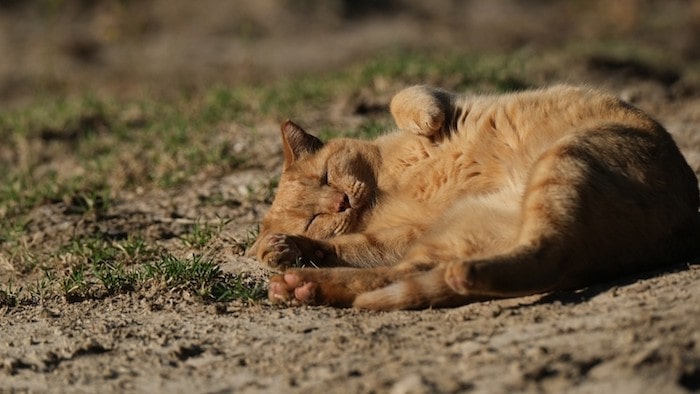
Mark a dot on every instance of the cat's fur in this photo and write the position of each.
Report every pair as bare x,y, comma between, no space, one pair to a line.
478,197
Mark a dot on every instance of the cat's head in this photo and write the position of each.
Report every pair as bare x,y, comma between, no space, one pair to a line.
325,190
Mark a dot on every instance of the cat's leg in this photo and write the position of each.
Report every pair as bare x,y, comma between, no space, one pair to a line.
422,110
551,222
361,250
340,286
417,291
598,204
412,284
327,286
472,227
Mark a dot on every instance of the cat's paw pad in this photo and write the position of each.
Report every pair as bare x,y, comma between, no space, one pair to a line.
289,288
281,251
460,276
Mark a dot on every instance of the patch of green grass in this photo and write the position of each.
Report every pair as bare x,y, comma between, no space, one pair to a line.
97,267
199,236
369,129
74,284
289,95
201,277
224,104
202,232
90,250
115,278
135,247
451,70
42,287
10,231
391,71
106,148
230,287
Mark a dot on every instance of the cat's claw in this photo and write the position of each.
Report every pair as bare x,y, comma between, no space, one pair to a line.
281,251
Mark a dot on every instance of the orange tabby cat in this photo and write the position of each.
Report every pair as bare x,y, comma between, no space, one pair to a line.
478,197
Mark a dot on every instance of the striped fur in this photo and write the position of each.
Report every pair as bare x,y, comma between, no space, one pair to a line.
478,197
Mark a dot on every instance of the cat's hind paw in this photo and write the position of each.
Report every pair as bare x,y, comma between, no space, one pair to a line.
459,276
311,286
289,288
418,109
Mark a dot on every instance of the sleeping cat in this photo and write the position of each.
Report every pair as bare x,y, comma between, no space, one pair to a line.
478,197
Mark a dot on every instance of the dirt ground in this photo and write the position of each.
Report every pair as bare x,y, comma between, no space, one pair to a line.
634,335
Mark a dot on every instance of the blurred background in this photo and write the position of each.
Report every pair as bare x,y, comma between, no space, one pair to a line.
165,47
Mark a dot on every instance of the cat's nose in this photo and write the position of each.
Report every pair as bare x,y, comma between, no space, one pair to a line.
343,203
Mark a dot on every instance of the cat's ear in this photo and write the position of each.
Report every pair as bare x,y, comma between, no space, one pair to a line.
297,142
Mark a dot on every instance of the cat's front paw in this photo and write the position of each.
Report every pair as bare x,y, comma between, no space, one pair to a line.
284,251
280,251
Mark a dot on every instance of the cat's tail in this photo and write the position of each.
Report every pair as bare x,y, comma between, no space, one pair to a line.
419,291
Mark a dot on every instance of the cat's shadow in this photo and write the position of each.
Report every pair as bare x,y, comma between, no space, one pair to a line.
587,293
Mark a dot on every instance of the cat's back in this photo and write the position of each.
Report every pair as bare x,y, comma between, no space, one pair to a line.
491,142
530,121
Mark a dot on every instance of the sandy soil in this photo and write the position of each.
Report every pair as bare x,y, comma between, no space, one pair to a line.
638,334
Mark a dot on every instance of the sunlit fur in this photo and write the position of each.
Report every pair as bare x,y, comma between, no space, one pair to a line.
476,197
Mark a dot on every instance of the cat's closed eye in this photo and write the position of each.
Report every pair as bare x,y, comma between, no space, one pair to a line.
311,221
324,178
